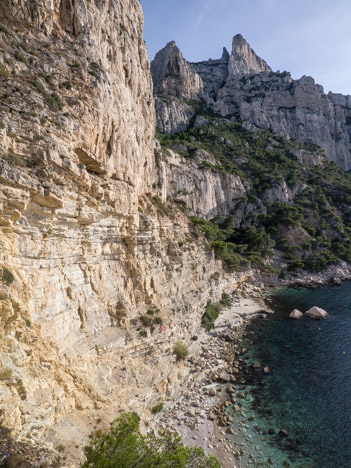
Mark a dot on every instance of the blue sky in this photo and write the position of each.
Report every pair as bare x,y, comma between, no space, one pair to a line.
305,37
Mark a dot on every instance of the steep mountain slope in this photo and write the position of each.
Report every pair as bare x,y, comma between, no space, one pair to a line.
85,247
258,194
243,85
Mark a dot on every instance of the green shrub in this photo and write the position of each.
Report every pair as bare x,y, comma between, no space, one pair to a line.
158,320
150,312
14,159
210,316
55,102
226,251
77,65
23,46
157,408
180,350
3,71
146,321
94,69
20,57
225,300
38,85
125,447
296,265
7,276
2,125
4,29
161,208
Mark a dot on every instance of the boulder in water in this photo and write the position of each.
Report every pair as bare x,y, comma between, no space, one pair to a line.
317,313
296,314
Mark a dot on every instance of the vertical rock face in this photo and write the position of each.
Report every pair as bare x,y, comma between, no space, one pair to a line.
99,53
173,115
243,59
85,249
292,109
177,80
173,75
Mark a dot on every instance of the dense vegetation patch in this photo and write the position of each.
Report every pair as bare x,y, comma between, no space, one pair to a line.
311,221
125,447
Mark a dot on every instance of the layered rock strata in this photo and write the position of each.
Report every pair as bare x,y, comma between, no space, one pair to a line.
85,248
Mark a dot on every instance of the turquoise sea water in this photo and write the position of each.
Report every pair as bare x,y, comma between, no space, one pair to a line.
308,393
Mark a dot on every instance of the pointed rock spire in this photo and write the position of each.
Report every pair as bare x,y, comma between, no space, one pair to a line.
173,75
243,59
225,55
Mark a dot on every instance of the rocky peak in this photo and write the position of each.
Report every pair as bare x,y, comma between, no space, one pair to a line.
243,59
173,75
225,55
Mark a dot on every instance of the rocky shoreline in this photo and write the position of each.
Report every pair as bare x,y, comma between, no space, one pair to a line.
332,275
217,380
215,384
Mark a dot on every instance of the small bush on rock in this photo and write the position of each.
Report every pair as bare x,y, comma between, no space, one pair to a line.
7,276
210,316
157,408
180,350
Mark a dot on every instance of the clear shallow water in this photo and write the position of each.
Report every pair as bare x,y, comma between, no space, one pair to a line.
308,392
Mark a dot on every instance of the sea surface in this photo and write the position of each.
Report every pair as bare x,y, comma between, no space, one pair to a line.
308,390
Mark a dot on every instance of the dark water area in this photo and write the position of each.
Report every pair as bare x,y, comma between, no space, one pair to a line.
308,392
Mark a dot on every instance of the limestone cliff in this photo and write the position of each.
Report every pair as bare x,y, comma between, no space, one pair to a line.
96,247
242,85
177,79
85,247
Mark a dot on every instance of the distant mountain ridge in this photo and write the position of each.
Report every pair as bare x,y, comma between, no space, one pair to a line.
242,85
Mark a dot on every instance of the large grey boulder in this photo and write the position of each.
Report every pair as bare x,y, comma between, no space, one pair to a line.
296,314
317,313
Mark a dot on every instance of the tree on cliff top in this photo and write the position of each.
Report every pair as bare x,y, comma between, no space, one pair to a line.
125,447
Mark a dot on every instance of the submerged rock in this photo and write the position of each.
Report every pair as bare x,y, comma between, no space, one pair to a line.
317,313
296,314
